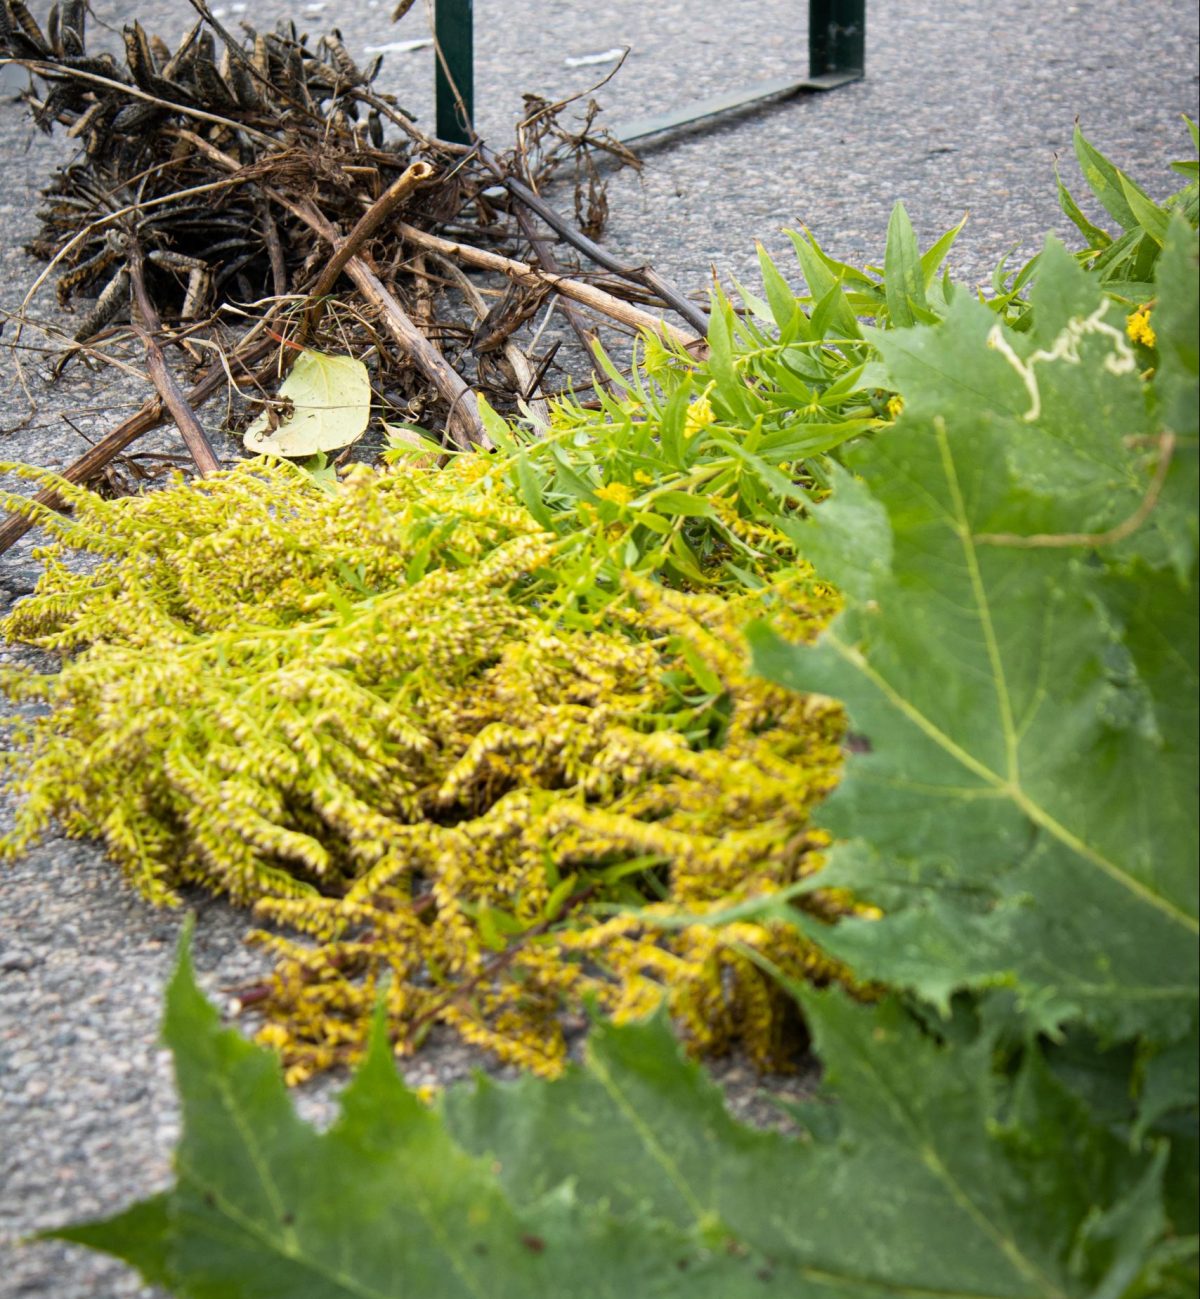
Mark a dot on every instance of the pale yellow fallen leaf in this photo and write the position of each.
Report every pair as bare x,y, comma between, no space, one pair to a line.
331,405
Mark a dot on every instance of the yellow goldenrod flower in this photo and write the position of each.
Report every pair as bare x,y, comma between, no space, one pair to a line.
618,493
895,405
1137,326
699,415
434,747
641,476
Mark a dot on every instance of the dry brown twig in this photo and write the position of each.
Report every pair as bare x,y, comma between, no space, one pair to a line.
194,436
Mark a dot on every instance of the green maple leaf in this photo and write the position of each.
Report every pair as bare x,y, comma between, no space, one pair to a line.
628,1178
1019,648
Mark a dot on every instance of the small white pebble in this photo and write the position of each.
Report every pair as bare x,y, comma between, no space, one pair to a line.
399,47
584,60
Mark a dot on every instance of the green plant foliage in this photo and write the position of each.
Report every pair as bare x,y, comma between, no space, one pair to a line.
305,699
1124,263
1019,647
627,1177
690,464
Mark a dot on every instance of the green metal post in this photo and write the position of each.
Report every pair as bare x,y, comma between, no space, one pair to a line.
454,30
836,36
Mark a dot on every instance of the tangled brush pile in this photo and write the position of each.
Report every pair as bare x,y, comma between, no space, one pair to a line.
365,715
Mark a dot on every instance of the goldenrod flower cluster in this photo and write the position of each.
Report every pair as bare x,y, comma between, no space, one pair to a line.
1139,328
359,714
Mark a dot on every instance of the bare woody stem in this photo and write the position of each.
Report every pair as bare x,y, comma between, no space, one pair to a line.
549,262
640,275
370,221
545,254
279,275
463,424
194,436
521,367
586,294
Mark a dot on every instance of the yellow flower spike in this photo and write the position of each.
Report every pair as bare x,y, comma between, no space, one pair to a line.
272,1035
699,416
895,404
1139,329
654,357
618,493
392,747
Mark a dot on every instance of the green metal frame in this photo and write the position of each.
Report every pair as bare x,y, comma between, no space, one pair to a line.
454,77
836,56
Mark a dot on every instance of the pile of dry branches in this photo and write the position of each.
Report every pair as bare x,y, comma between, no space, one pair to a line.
244,196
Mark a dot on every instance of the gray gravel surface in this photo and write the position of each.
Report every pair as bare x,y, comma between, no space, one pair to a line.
965,108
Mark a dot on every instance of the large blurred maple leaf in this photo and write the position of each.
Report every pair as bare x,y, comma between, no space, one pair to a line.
627,1179
1019,649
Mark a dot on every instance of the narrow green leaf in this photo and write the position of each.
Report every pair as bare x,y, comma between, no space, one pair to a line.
832,313
568,478
756,306
532,489
903,273
705,677
797,441
604,361
854,276
1106,182
1150,216
671,439
558,896
779,293
495,426
684,503
655,522
770,477
729,387
1096,238
931,261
